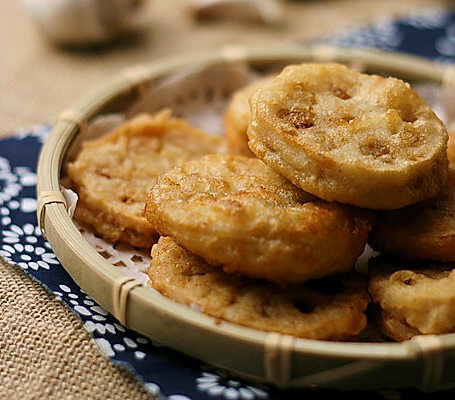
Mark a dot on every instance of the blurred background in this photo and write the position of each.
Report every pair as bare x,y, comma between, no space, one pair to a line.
54,51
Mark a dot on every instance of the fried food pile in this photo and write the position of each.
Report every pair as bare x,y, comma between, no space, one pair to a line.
263,227
113,174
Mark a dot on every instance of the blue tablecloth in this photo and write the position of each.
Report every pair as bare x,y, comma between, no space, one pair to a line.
163,371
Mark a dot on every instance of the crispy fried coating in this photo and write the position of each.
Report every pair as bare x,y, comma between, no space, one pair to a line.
236,212
236,117
424,231
451,149
413,298
329,309
113,174
349,137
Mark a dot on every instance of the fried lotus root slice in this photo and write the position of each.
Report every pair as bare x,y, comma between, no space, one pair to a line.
349,137
424,231
113,174
414,299
236,212
329,309
236,117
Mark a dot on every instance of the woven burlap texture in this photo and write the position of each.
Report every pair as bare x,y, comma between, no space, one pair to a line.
45,353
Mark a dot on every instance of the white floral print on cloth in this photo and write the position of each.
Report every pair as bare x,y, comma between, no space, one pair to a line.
430,35
229,388
20,243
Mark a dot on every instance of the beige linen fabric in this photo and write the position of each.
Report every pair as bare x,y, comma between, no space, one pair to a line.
45,353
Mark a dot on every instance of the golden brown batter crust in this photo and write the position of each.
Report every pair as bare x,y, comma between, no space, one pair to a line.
349,137
236,212
329,309
424,231
413,298
113,174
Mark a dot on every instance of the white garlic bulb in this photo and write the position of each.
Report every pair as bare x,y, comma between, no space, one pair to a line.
85,21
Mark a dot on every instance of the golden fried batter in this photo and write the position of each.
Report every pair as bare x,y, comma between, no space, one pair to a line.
349,137
237,116
413,299
329,309
423,231
236,212
451,149
113,174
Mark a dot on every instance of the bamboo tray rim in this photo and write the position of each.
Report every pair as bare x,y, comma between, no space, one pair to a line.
128,301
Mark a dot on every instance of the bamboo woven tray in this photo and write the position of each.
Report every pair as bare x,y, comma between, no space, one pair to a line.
426,362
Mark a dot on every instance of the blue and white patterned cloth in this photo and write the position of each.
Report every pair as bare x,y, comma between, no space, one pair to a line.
164,372
431,36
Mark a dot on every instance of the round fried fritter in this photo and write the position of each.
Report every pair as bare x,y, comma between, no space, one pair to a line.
413,299
423,231
113,174
330,309
237,212
349,137
236,117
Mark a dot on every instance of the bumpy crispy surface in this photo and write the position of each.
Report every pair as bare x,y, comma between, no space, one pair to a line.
237,116
330,309
113,174
421,231
349,137
236,212
413,299
451,149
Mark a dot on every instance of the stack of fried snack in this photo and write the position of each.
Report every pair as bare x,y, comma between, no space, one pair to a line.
264,226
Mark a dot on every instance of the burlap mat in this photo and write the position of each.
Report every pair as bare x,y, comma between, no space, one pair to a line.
45,353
